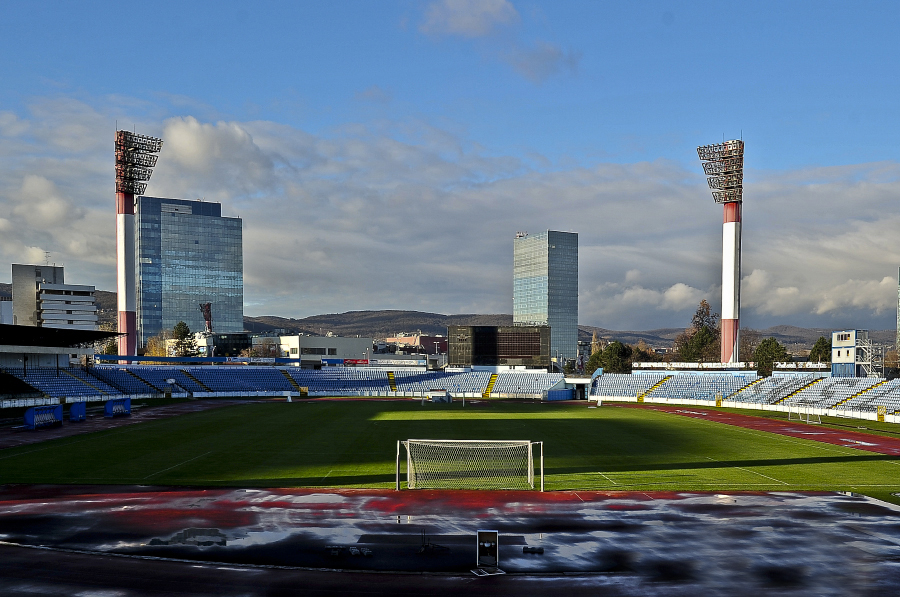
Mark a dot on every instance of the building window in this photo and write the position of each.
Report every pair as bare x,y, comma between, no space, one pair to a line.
332,351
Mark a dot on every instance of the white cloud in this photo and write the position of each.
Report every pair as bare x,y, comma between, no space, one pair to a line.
218,160
468,18
543,60
536,60
405,215
374,94
39,203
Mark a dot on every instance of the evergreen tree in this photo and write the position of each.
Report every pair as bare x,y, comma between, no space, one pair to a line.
616,358
185,345
821,351
769,352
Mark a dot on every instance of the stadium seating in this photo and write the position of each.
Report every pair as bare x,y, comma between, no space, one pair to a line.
419,381
862,395
830,391
799,390
772,389
157,376
241,379
706,386
524,382
121,379
63,382
625,384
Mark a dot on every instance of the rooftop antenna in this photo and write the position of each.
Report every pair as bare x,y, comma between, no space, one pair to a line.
46,257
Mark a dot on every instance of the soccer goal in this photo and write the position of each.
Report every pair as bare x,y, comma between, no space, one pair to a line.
804,414
470,464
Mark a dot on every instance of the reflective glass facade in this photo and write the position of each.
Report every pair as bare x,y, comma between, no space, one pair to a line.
545,287
186,254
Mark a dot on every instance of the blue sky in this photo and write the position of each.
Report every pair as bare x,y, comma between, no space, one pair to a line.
383,154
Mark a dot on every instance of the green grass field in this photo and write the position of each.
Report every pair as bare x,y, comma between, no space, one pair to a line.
353,444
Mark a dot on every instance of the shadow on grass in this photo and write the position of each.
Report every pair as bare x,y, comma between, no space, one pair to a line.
318,481
712,464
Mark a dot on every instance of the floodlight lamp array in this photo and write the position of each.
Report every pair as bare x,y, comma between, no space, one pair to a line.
135,159
723,164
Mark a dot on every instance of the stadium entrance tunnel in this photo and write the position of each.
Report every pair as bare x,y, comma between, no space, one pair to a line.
696,540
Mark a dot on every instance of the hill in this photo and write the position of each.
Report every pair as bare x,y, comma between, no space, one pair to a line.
375,324
382,324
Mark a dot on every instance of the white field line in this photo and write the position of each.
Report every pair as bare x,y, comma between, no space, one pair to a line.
607,478
123,429
740,468
177,465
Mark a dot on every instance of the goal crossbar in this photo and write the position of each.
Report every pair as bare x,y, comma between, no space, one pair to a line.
470,464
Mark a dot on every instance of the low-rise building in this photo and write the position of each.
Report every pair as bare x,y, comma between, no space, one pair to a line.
515,345
315,351
419,343
41,298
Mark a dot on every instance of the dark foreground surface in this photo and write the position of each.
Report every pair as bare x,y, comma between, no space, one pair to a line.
77,540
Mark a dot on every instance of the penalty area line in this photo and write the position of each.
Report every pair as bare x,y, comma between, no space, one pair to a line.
751,471
607,478
177,465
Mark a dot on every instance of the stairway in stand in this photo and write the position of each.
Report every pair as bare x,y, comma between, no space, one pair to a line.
292,381
859,393
196,381
640,397
800,389
490,386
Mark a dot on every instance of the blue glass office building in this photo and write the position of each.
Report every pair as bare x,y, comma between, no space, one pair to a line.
545,287
186,254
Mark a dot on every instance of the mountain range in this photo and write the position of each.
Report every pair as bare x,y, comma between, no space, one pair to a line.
383,324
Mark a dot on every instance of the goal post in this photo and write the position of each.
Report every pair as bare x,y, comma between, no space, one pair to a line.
804,414
470,464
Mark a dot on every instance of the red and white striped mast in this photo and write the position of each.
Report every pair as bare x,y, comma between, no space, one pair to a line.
723,165
135,159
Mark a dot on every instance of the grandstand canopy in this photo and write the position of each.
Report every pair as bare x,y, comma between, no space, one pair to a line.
25,335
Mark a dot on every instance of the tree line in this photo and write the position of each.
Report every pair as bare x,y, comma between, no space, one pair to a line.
700,343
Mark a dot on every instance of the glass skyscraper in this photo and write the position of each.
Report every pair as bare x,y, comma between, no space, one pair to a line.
186,254
545,287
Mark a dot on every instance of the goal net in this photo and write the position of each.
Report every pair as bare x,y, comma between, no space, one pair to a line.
469,464
804,414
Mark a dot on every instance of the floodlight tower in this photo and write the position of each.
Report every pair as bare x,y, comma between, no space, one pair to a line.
723,165
135,159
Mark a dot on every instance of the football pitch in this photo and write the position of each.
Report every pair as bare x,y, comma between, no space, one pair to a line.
352,444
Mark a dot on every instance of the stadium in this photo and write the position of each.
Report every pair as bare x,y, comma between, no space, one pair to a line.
327,472
658,482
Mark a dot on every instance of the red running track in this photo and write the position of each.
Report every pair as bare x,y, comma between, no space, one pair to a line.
848,439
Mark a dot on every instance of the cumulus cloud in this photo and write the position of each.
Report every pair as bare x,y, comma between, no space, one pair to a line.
405,215
536,60
543,60
220,160
374,94
468,18
40,203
